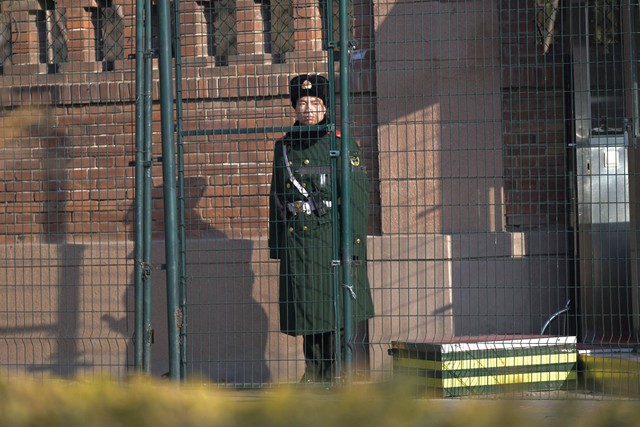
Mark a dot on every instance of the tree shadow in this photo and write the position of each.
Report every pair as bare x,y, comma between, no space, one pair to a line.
62,355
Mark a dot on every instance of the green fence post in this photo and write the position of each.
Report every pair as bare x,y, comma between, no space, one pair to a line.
335,226
139,188
147,193
182,271
347,259
169,184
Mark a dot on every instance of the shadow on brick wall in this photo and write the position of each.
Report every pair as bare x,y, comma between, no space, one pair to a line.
226,326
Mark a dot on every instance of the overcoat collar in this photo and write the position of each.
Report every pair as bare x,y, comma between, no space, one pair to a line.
303,136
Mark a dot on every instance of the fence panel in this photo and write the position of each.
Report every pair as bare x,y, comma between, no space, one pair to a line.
500,145
67,97
466,115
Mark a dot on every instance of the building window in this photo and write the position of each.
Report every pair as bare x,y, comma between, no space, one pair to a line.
220,19
52,35
108,22
5,39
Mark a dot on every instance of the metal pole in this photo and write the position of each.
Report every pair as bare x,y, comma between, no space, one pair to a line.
147,195
139,188
169,184
335,226
182,283
347,230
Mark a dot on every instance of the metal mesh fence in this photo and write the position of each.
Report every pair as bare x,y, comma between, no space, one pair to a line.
499,144
67,137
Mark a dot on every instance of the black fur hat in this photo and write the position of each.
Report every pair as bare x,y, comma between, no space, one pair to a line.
309,85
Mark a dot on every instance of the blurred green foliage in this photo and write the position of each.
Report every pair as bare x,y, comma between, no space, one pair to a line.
144,402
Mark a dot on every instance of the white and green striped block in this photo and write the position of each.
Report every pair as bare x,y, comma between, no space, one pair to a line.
483,365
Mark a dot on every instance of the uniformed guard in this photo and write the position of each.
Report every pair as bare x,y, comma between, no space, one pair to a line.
300,230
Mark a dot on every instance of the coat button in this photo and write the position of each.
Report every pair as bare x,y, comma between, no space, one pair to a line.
290,229
288,185
305,228
306,161
357,241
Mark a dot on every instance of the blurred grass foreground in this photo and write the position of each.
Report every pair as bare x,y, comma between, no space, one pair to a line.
144,402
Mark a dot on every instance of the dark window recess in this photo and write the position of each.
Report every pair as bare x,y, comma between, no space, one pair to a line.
52,35
5,38
108,22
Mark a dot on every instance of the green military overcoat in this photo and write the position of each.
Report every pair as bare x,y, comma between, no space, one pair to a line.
303,242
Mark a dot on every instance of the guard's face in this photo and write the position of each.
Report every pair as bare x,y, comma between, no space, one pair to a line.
310,110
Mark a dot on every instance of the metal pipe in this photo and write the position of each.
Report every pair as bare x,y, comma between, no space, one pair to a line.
147,194
265,129
182,267
347,229
139,190
336,269
169,184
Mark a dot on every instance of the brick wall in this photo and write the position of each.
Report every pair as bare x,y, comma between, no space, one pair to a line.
70,173
68,114
534,120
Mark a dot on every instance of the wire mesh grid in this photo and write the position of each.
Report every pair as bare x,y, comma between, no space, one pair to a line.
67,137
499,143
